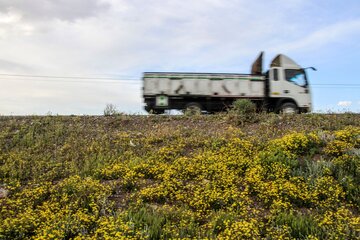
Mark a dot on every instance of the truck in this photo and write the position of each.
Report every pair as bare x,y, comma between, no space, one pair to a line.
284,88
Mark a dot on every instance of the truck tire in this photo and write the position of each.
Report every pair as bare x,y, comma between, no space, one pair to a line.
157,111
289,108
193,109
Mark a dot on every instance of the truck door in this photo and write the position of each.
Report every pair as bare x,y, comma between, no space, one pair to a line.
276,85
297,87
290,83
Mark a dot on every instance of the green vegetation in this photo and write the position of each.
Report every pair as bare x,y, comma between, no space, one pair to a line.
162,177
243,106
111,110
243,111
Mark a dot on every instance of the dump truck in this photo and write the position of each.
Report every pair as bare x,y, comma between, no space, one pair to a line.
284,88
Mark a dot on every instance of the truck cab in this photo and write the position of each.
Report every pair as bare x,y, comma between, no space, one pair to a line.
289,89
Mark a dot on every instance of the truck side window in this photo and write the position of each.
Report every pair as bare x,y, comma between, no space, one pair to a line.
296,76
276,76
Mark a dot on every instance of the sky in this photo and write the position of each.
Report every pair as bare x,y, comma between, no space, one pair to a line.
76,56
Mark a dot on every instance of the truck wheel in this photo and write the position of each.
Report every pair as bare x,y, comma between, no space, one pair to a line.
157,111
193,109
289,108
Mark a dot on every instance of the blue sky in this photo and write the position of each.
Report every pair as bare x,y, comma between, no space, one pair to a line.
94,40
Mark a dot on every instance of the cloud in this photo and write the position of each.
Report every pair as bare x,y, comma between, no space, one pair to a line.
68,10
321,37
33,96
344,103
26,18
11,23
136,36
9,66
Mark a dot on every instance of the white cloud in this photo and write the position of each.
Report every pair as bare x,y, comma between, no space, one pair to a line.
344,103
66,97
133,35
11,23
321,37
68,10
9,17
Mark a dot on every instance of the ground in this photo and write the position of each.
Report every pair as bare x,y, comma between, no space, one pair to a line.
224,176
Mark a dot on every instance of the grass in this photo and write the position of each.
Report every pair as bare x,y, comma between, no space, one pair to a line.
160,177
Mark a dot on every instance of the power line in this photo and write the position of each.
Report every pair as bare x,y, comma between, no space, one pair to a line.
61,77
123,81
336,84
132,80
340,87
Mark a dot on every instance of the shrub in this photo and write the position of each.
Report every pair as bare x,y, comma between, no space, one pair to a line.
301,225
148,220
243,106
111,110
243,110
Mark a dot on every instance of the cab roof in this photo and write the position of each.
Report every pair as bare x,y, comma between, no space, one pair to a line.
284,61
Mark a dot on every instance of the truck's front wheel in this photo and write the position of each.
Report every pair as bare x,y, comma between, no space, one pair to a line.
193,109
289,108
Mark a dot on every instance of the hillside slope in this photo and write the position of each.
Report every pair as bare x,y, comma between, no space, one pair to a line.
161,177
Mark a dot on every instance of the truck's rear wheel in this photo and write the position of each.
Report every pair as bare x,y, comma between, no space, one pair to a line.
193,109
289,108
157,111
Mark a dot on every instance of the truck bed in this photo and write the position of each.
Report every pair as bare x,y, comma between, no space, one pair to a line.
204,84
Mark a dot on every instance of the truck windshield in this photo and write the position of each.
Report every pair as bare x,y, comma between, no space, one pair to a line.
296,76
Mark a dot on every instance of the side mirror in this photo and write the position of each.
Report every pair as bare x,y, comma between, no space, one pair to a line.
312,68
